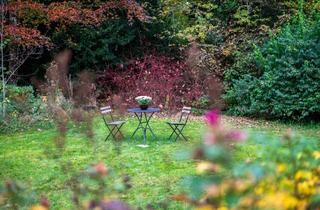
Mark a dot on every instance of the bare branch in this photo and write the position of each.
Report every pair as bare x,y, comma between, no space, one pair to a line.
18,65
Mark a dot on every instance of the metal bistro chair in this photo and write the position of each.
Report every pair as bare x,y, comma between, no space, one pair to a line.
177,127
113,126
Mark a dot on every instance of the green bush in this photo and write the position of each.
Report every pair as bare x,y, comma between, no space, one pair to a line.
200,106
94,47
285,83
23,110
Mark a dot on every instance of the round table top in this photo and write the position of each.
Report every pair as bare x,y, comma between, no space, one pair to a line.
149,110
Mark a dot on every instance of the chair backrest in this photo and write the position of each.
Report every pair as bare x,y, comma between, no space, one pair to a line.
89,107
106,110
185,112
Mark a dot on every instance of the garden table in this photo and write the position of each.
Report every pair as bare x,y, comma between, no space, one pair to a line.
144,117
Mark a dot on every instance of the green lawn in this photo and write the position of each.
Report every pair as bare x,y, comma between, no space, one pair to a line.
154,173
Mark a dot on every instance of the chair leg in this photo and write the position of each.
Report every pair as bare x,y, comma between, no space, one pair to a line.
171,134
118,131
176,131
184,136
110,132
177,134
181,134
121,134
173,131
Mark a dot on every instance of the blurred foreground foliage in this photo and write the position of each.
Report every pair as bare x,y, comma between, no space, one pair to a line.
282,173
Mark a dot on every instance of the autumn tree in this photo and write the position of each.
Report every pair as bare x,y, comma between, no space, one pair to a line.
18,43
26,27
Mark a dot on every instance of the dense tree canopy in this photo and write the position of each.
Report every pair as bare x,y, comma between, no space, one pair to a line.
35,18
211,38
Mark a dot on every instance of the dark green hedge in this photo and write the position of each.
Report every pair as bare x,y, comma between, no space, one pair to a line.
286,82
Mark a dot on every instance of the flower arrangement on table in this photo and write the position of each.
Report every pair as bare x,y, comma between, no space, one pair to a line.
144,101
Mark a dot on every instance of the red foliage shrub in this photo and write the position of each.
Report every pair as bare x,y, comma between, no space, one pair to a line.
167,81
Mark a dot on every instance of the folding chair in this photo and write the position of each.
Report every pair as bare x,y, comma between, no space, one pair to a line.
113,126
177,127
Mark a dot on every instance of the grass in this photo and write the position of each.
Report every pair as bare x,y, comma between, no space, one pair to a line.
277,128
155,174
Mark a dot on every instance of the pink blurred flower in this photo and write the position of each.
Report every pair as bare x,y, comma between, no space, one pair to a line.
44,202
113,205
210,138
101,169
213,117
236,135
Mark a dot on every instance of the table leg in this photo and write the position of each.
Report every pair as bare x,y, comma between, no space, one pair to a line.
144,119
144,135
139,124
149,127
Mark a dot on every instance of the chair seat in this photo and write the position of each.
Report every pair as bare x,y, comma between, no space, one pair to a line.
116,122
176,123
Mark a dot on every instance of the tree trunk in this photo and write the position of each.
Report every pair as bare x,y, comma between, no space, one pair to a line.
2,61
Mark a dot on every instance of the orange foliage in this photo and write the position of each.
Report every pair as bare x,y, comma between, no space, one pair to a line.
25,36
134,10
66,12
72,12
17,6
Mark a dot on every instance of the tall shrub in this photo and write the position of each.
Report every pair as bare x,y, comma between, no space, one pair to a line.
108,43
286,84
169,82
